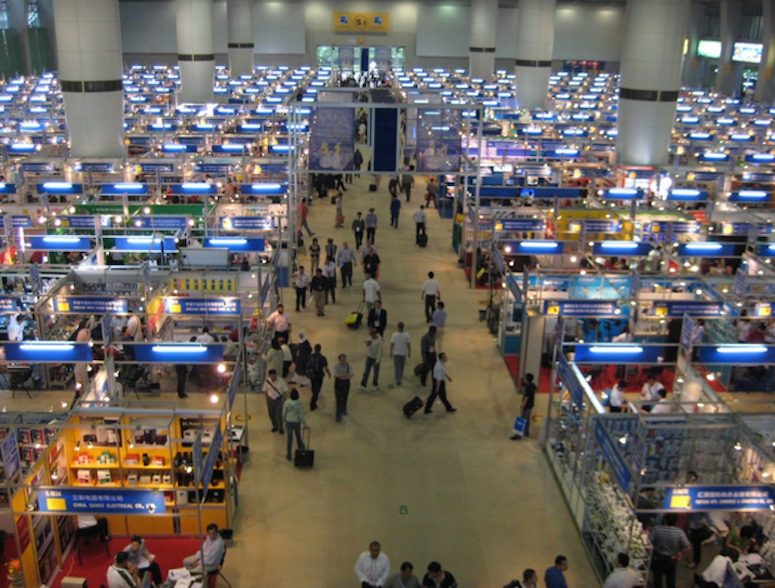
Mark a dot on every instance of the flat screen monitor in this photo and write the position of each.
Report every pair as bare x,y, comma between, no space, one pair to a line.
707,48
747,52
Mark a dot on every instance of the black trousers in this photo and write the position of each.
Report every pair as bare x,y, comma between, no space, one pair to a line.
301,298
430,306
429,360
316,384
182,373
408,191
664,566
370,233
347,274
341,392
439,389
358,239
419,228
331,288
155,572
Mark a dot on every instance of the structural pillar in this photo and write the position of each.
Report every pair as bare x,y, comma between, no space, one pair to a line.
241,46
481,53
90,69
765,87
729,76
196,56
692,73
535,43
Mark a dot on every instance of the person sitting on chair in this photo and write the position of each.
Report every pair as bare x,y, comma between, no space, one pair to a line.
119,575
142,560
210,556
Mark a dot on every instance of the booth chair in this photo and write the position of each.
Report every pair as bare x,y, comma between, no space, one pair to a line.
86,535
212,577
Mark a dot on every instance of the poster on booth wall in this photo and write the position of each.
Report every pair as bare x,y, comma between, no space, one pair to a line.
346,58
438,141
332,139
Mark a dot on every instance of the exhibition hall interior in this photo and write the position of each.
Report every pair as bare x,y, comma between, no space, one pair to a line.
436,293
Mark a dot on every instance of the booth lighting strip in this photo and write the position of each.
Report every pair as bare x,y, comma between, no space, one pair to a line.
742,349
46,347
616,349
179,349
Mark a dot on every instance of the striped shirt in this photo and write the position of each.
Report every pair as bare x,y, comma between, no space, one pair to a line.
667,540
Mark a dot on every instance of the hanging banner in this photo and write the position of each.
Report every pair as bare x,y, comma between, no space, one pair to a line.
11,459
346,58
332,139
203,306
120,501
611,454
732,497
581,308
438,140
91,305
213,454
572,384
382,57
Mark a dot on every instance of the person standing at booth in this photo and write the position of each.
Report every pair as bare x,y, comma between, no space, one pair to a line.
670,543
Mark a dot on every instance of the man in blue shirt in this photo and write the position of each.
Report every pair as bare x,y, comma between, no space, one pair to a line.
554,577
395,209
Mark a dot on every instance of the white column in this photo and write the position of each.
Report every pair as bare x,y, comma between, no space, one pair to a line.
90,68
481,53
241,47
535,43
730,74
650,79
195,49
692,72
765,87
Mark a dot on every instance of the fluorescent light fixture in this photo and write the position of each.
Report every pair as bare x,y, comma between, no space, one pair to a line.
265,187
173,148
233,147
766,157
143,240
725,121
740,349
195,186
61,239
618,245
685,192
700,136
715,155
623,349
130,185
57,186
703,246
46,346
228,241
752,194
690,120
566,151
741,137
539,245
622,192
179,349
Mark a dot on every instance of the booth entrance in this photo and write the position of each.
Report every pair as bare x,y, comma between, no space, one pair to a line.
360,59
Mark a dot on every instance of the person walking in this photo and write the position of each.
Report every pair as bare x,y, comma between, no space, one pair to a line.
375,344
345,259
428,352
301,281
528,401
304,212
329,273
280,322
439,320
372,567
371,293
359,228
440,379
432,192
293,417
431,291
339,219
393,185
400,350
343,373
407,182
669,543
554,576
395,209
420,218
331,249
370,261
377,318
357,160
275,390
371,226
318,286
301,354
314,256
317,368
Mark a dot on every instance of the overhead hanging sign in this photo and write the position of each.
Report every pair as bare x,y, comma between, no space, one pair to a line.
581,308
571,382
520,224
121,501
732,497
617,353
678,308
160,222
361,22
203,306
91,305
8,304
332,139
175,353
48,352
247,223
59,243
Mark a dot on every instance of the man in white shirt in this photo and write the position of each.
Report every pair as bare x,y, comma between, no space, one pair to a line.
623,576
662,407
210,556
373,567
419,218
617,400
376,344
16,328
118,573
205,338
431,291
717,569
400,349
134,328
440,379
650,391
371,293
280,322
275,389
439,320
301,281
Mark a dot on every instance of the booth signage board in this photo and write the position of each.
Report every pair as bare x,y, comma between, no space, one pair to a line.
732,497
192,140
361,22
43,352
740,279
212,458
59,243
119,501
37,167
91,305
552,192
520,224
740,354
212,168
20,221
154,167
572,385
79,222
235,243
37,284
161,222
602,226
763,309
617,353
581,308
208,284
11,459
611,454
178,353
678,308
95,167
8,304
706,250
247,223
677,228
203,306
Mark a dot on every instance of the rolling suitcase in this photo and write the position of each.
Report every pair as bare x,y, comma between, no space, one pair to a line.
413,406
353,320
422,240
304,458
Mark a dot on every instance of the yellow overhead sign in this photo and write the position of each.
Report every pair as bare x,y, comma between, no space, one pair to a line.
362,22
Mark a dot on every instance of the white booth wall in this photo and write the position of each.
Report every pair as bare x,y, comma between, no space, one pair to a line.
432,35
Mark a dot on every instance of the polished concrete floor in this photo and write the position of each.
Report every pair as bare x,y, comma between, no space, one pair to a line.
449,487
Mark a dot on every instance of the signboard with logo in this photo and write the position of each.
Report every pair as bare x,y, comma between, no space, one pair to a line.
361,22
120,501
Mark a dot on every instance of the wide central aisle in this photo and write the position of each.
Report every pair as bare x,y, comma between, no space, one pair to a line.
449,487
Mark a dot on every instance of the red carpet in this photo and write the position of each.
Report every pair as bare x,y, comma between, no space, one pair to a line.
169,553
544,378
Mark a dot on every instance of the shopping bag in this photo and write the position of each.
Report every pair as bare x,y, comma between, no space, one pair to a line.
519,426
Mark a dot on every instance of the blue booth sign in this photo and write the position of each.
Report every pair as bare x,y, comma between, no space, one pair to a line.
730,497
55,187
212,168
602,226
121,188
617,353
7,188
622,194
60,243
79,222
552,192
38,167
212,457
737,354
99,167
157,167
235,243
686,195
8,304
621,248
91,305
20,221
160,222
203,306
192,140
694,308
611,454
677,228
247,223
175,353
749,196
264,189
520,225
119,501
11,459
572,384
144,244
581,308
48,352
